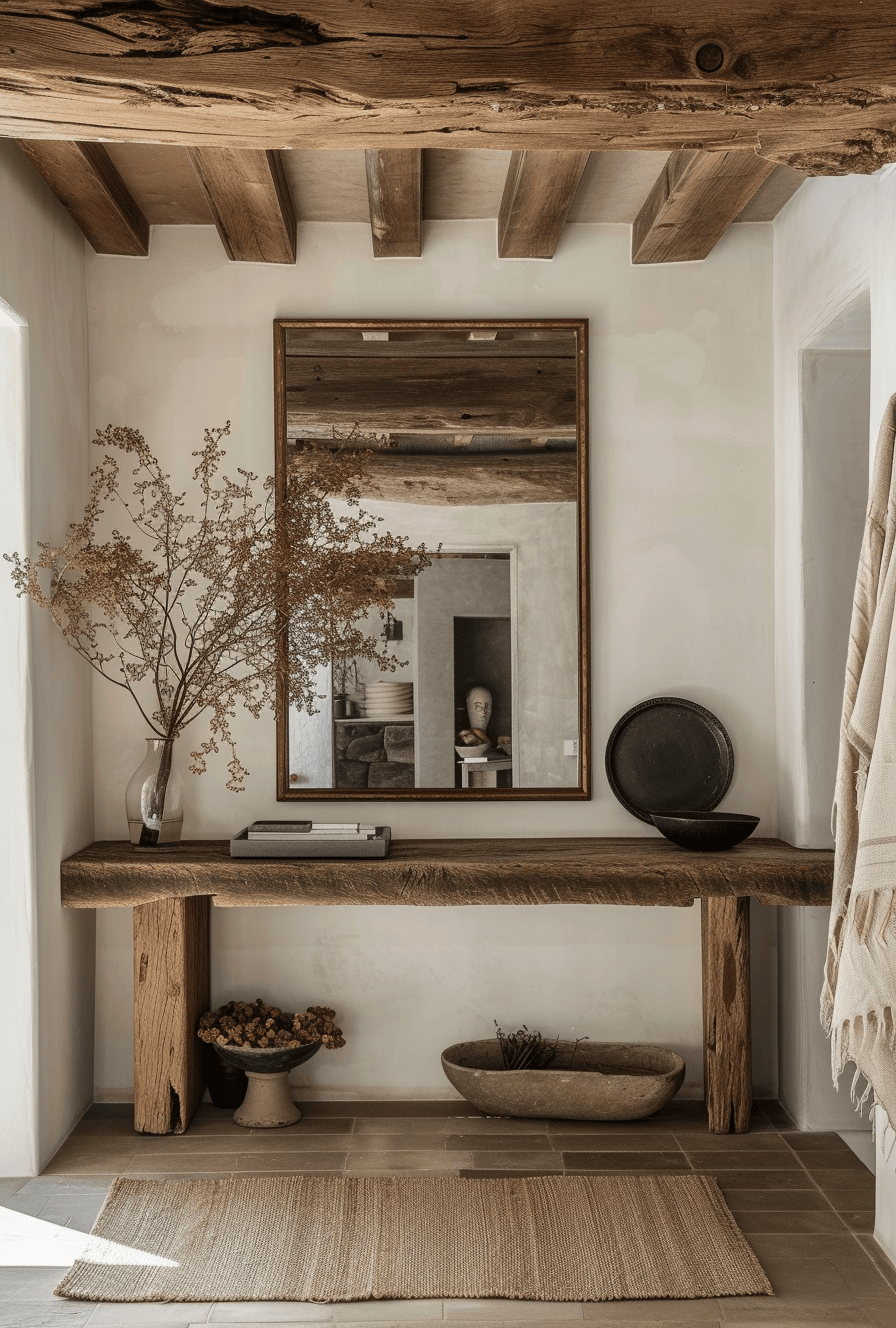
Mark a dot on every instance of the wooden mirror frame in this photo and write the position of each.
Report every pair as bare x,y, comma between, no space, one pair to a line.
579,792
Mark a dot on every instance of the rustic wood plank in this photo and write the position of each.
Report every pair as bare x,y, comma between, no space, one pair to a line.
492,395
810,74
250,202
85,181
475,480
441,872
695,199
727,1065
396,202
538,194
171,991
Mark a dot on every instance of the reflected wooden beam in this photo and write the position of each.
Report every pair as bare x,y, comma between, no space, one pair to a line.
519,397
250,202
395,201
476,480
693,202
538,194
84,180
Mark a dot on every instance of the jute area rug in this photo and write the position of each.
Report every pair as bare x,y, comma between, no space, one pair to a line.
336,1238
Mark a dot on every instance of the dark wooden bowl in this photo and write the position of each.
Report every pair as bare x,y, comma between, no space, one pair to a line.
705,832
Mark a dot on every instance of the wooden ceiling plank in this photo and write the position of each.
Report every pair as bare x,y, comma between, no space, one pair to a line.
807,82
85,181
395,200
538,194
696,197
250,202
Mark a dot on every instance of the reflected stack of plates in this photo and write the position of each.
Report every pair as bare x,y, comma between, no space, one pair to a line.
388,700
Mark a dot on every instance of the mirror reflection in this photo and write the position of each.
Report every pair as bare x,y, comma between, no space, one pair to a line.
479,457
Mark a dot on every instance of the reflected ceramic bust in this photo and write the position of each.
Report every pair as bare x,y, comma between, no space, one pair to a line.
479,707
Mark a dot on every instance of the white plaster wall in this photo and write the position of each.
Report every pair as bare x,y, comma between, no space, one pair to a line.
682,567
42,277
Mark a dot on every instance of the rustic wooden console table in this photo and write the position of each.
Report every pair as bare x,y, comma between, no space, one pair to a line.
170,892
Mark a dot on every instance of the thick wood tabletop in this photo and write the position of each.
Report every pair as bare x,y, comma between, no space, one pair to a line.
440,872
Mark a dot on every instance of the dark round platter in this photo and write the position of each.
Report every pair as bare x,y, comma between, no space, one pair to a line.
668,753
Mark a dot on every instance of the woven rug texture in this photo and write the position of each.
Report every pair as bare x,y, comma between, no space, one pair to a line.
340,1238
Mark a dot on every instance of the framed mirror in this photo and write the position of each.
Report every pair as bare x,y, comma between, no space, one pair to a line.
481,456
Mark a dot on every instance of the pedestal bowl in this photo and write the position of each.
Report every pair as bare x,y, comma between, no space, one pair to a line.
268,1104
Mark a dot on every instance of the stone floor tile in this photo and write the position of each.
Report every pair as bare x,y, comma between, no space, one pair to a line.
98,1164
850,1198
113,1127
513,1311
270,1311
825,1222
406,1125
827,1160
811,1141
62,1209
782,1201
500,1142
105,1110
288,1163
619,1161
511,1173
498,1125
148,1312
271,1141
28,1283
635,1313
765,1141
404,1143
796,1245
879,1259
656,1142
861,1223
735,1159
762,1179
48,1311
10,1184
482,1160
31,1204
50,1185
307,1125
806,1284
178,1175
407,1160
194,1164
389,1311
745,1316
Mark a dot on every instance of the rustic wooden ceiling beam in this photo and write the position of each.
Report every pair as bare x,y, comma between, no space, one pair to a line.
810,83
250,202
695,199
83,178
395,199
538,194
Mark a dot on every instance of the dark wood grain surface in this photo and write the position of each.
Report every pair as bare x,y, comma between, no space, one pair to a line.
451,872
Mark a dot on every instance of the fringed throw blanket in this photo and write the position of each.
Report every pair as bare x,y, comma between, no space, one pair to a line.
859,997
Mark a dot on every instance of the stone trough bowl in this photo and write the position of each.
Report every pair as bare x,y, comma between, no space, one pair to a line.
612,1081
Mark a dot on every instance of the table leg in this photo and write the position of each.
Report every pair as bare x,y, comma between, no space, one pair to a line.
171,991
727,1067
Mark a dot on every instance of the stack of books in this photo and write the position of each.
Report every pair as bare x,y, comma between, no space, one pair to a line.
311,839
309,829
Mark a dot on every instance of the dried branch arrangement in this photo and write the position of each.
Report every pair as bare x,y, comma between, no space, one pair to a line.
524,1050
194,611
239,1024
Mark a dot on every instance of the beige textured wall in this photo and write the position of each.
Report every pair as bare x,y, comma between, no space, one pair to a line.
682,574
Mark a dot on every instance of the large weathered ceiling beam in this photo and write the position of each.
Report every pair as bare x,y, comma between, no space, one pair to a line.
810,83
395,200
695,199
250,202
538,194
83,178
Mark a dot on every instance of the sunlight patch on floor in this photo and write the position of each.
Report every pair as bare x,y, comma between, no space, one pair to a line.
29,1242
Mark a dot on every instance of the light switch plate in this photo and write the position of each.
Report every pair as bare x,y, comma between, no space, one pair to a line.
571,747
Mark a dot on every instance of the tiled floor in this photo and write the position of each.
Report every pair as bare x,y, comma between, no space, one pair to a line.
805,1202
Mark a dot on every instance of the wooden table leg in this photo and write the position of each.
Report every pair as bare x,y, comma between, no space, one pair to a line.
727,1064
171,991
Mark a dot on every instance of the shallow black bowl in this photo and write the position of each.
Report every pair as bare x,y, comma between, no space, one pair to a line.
267,1060
707,832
